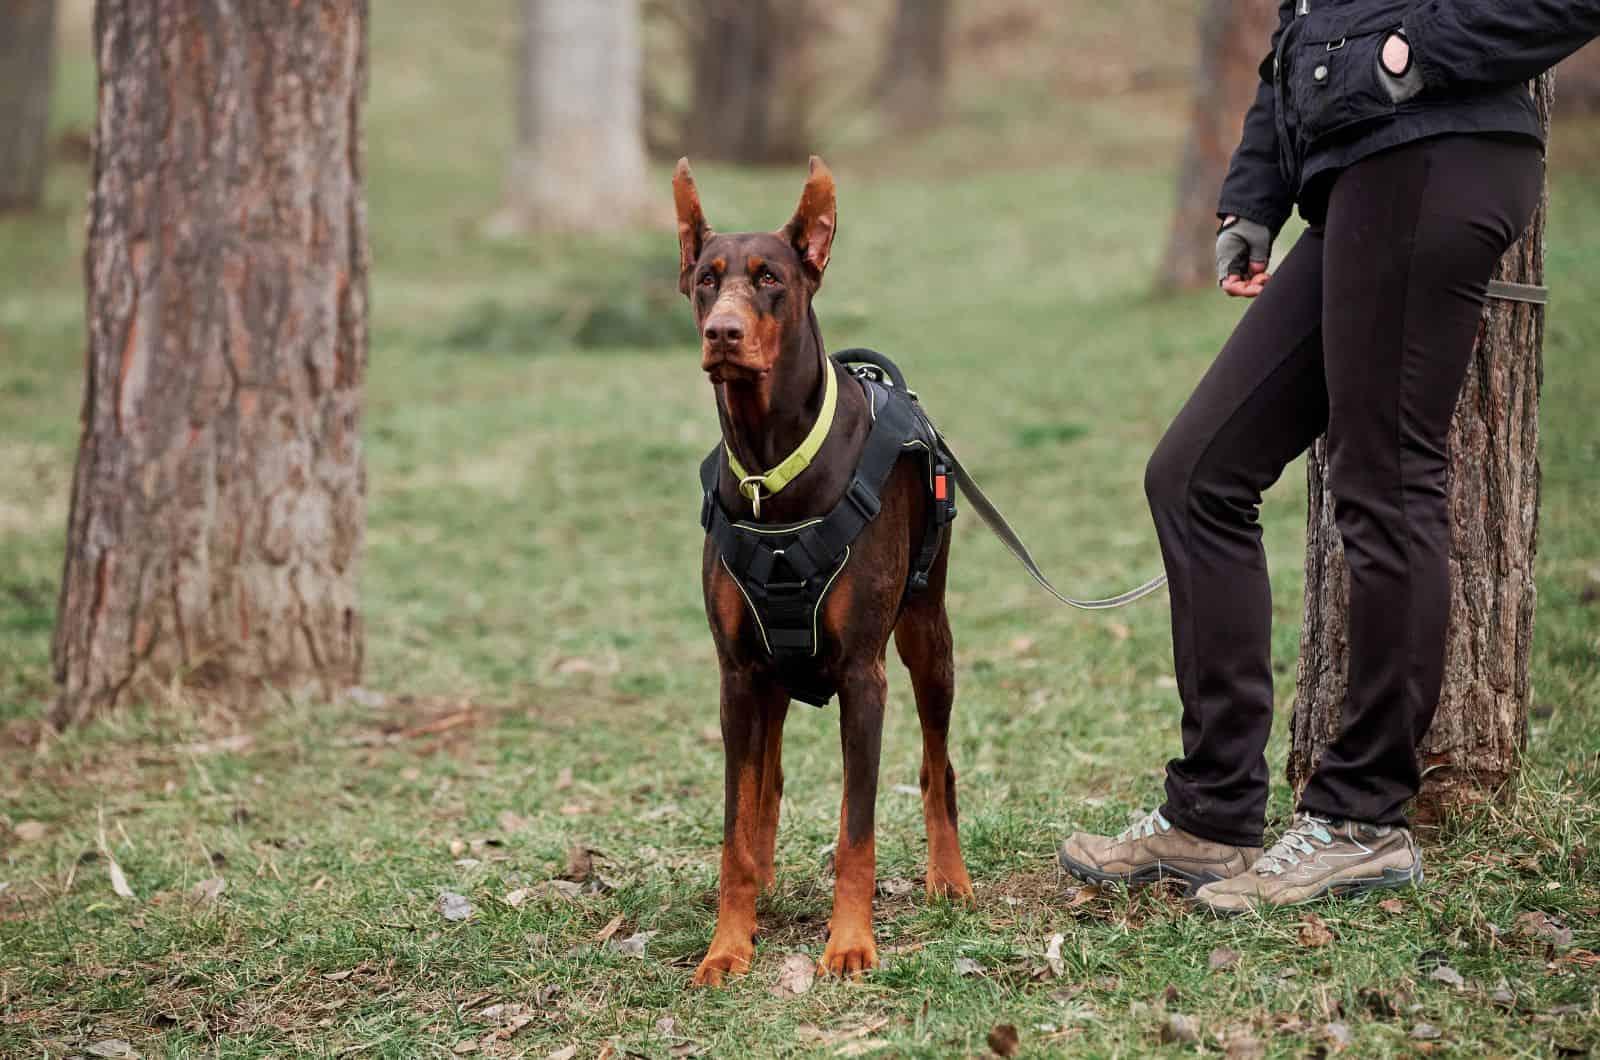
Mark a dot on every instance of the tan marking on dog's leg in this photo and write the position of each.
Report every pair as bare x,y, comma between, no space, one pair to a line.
923,640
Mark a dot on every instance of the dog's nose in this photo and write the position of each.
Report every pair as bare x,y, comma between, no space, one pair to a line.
724,331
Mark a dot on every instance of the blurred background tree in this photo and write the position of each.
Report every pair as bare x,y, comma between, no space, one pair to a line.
27,61
750,101
218,505
1577,83
1234,35
912,79
579,163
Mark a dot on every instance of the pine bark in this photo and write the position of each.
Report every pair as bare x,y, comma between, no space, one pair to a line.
747,102
1473,749
27,61
579,163
218,502
1234,35
911,83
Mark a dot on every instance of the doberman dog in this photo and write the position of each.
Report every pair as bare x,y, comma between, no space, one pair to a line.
762,351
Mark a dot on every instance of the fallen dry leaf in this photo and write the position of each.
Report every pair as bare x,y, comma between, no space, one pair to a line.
1313,931
796,976
454,906
1222,957
895,887
119,882
465,1046
1424,1032
1003,1039
1179,1028
209,890
110,1047
1446,974
967,966
609,930
1392,906
634,944
1538,925
517,897
1242,1045
30,831
563,1054
511,822
1052,955
562,889
1338,1034
580,863
1082,896
339,976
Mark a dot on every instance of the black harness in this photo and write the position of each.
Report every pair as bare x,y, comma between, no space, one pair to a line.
785,571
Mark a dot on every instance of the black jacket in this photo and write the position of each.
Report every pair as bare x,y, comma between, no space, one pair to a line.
1321,105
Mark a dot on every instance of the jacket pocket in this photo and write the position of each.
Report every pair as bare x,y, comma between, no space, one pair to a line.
1331,79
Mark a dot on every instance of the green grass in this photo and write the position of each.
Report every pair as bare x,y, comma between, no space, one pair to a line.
535,626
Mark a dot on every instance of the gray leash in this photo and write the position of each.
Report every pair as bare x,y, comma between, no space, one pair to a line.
1500,289
1519,292
996,522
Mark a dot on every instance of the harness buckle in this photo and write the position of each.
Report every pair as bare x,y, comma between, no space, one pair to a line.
918,581
862,498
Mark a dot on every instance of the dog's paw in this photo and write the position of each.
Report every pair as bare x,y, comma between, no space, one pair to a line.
952,884
849,954
722,962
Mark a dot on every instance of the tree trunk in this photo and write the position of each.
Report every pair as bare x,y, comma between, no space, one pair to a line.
27,58
1234,35
911,83
1474,746
747,103
579,164
218,502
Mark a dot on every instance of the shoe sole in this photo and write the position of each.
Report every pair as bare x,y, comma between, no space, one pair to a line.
1391,880
1154,874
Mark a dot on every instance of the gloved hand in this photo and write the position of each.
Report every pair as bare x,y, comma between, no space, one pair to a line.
1242,243
1397,68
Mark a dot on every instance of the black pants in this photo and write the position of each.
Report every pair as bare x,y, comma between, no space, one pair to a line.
1365,332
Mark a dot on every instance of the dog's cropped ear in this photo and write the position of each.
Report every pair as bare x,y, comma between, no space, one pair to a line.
811,229
693,232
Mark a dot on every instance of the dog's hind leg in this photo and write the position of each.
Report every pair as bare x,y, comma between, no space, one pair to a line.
771,794
851,948
752,708
922,637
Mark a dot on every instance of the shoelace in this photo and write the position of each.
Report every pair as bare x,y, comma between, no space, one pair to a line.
1145,827
1303,837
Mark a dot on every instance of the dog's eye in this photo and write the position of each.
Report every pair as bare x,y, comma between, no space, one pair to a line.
767,279
708,279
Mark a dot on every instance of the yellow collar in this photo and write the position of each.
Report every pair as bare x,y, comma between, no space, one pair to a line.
753,487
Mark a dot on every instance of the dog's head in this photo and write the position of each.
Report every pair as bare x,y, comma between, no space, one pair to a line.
752,292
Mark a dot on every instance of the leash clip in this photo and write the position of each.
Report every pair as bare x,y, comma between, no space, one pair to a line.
750,486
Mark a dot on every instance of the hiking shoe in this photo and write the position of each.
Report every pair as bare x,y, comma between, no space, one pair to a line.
1151,849
1320,856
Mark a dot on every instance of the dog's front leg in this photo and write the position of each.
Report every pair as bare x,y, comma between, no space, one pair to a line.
751,706
851,948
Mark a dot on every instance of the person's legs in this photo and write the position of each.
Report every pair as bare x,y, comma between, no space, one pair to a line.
1413,236
1260,405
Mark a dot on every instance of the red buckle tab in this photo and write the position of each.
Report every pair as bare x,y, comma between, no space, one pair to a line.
941,488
